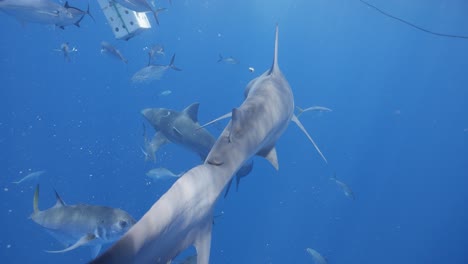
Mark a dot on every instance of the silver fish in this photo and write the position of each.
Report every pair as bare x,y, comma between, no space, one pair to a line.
153,72
319,259
82,224
320,109
30,177
228,60
345,188
162,174
66,50
43,12
111,50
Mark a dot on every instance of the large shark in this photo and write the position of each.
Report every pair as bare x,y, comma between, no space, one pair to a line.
183,215
79,225
183,129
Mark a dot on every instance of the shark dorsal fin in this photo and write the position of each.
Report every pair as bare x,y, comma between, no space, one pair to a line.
271,156
192,111
59,199
275,66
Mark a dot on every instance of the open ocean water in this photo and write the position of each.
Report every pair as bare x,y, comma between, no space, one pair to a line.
397,134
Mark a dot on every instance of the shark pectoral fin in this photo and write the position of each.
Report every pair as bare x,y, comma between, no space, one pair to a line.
270,155
95,251
82,241
192,111
217,119
203,243
299,124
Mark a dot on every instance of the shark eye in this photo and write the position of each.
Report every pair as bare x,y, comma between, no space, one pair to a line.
123,223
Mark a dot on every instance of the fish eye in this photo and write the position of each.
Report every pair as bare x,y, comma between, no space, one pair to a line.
123,223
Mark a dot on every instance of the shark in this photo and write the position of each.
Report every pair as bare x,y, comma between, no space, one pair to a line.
82,224
183,216
182,128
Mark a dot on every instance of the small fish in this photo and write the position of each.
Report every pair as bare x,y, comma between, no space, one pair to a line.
346,190
228,60
82,224
312,108
75,17
162,174
108,48
66,50
165,93
153,72
154,51
31,176
319,259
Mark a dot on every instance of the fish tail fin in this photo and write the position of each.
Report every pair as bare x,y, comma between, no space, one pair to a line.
156,12
36,200
220,57
171,65
89,14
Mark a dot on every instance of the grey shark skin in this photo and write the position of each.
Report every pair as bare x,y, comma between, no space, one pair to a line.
78,225
183,129
183,215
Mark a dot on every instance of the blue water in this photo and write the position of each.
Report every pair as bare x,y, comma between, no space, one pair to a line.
397,135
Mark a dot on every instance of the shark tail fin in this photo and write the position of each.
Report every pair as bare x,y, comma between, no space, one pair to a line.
171,65
36,200
220,57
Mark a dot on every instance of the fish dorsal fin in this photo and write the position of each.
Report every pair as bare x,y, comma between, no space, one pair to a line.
299,124
82,241
271,156
59,201
66,5
275,66
36,200
192,111
203,242
236,123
